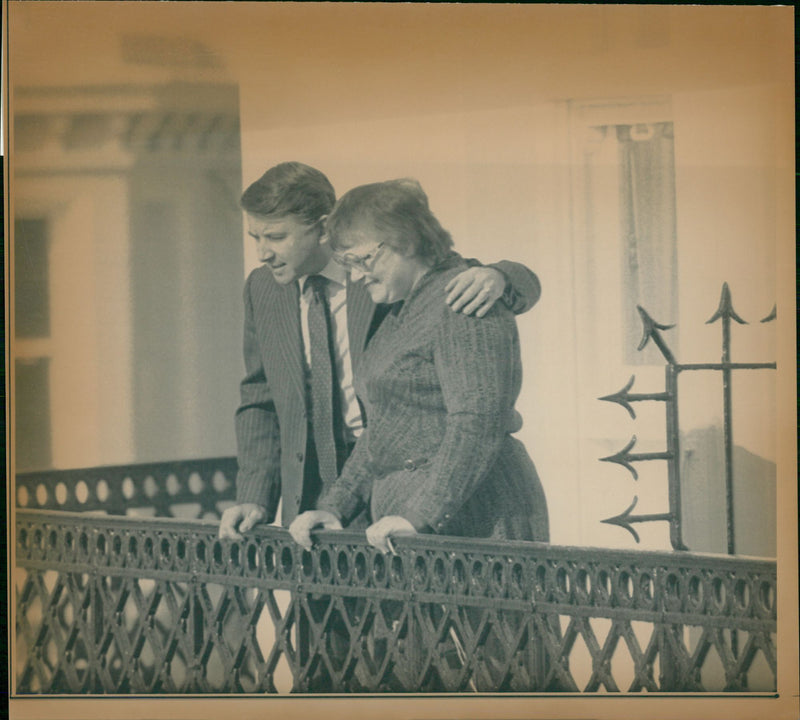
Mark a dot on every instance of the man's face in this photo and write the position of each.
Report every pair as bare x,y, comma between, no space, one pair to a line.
288,246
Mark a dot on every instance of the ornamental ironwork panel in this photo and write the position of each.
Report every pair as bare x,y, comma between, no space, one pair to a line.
669,396
187,488
137,606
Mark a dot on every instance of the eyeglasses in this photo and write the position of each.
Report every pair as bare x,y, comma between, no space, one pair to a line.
363,263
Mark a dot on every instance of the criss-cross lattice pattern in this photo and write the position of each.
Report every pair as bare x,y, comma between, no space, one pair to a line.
121,605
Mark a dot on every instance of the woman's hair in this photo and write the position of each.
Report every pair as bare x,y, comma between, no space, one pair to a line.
290,188
396,212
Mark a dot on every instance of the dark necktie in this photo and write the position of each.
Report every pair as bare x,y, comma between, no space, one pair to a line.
323,377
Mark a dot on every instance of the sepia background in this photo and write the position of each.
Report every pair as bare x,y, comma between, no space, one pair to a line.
628,155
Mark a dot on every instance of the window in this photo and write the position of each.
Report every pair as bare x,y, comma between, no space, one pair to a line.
31,278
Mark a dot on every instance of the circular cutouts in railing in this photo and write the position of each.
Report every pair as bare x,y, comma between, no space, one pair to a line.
420,573
582,586
562,586
695,593
601,584
439,574
380,575
741,596
720,596
287,561
324,565
38,539
672,591
397,573
478,578
172,485
82,547
128,488
625,588
517,586
765,605
270,565
540,582
220,482
117,555
166,551
497,579
342,566
102,491
67,550
307,564
200,556
251,561
148,552
360,572
646,591
81,492
150,487
196,484
458,576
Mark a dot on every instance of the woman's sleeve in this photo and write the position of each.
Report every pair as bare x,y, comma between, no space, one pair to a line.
351,490
478,367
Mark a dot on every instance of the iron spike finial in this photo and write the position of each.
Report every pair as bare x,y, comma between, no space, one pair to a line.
623,458
772,315
650,329
621,520
725,309
621,397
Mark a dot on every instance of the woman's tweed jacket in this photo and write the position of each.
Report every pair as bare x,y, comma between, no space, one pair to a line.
439,389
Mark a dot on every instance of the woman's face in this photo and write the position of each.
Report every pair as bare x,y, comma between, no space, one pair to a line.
387,275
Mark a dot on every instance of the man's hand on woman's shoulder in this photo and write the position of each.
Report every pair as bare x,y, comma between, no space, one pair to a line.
476,290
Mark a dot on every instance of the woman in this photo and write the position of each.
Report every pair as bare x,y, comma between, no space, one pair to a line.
438,388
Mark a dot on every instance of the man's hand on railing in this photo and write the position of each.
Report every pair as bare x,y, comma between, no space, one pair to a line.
303,524
380,533
243,516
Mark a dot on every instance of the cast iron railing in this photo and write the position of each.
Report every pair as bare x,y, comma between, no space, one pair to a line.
187,489
669,396
123,605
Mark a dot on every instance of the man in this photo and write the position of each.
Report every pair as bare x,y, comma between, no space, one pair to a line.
289,446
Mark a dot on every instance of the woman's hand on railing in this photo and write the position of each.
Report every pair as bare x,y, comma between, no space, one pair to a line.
380,533
303,524
243,516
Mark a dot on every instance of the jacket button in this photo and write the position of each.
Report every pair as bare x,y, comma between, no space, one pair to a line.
299,457
410,465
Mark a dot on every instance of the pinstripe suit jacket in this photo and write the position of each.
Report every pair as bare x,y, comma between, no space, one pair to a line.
272,418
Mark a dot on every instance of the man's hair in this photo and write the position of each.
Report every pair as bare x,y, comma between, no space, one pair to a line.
397,212
290,188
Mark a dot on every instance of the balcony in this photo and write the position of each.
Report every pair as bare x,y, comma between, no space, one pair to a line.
113,603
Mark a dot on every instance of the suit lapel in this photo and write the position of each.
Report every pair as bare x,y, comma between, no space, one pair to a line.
277,312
